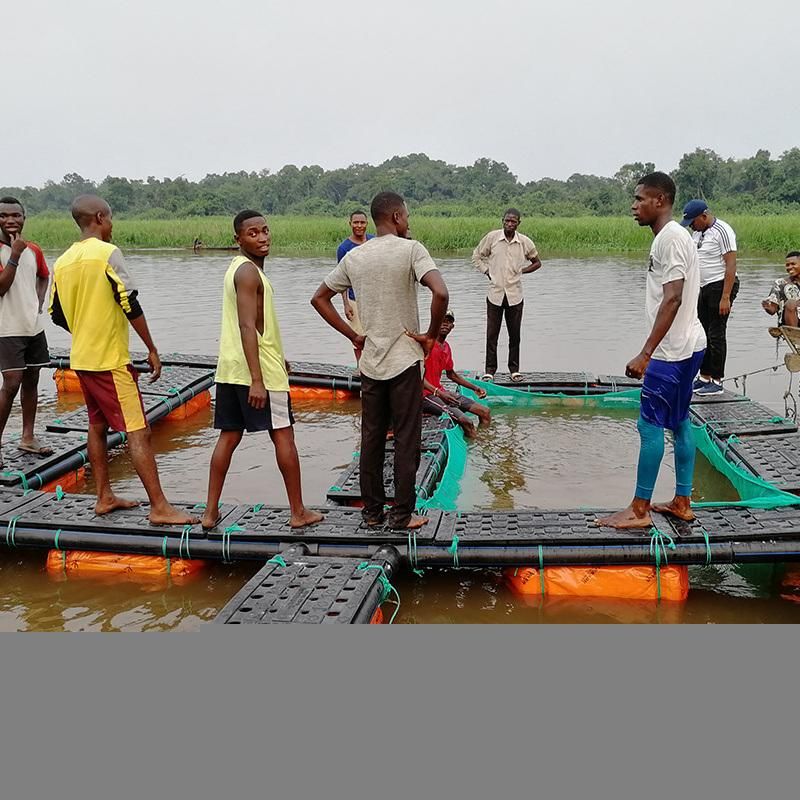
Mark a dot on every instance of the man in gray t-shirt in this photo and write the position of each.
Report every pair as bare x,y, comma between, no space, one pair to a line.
384,273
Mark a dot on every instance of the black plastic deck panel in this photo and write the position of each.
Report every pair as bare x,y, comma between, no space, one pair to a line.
307,590
739,523
347,486
726,396
18,461
76,512
725,419
313,369
340,524
773,457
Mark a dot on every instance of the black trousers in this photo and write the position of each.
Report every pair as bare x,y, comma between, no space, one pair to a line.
494,317
396,402
715,326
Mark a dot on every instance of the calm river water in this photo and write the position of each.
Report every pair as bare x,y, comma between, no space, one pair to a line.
580,314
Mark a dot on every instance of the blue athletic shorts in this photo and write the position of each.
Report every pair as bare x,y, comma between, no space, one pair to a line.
667,390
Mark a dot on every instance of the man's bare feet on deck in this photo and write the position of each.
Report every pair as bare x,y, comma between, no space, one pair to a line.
627,519
306,517
108,504
169,515
209,520
679,507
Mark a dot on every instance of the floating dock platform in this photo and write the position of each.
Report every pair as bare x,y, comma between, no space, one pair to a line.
334,571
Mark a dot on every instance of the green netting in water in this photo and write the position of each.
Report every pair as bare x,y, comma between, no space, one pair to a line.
754,491
520,398
448,489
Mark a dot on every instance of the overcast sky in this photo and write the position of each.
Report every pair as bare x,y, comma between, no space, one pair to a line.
551,88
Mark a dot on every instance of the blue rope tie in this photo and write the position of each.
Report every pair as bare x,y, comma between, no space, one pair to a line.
11,530
185,533
659,542
279,560
454,550
386,586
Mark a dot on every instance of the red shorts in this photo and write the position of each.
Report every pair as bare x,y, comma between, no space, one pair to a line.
113,398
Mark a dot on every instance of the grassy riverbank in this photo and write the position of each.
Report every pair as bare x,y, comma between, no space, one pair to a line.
320,235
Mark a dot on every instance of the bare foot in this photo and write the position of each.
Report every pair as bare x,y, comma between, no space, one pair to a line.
306,517
210,521
678,507
169,515
470,431
108,504
625,519
413,523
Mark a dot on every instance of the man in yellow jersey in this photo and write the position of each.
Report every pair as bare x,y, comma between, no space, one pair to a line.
252,378
94,298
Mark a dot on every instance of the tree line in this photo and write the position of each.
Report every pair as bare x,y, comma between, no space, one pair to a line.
759,184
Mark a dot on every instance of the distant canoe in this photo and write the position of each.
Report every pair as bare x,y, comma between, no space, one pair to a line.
205,247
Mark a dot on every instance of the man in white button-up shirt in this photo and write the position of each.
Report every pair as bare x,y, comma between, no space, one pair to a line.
504,256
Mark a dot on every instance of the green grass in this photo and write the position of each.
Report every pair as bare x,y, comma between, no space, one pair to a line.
320,235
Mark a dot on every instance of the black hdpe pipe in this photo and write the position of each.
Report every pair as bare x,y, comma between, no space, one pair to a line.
80,458
427,555
344,384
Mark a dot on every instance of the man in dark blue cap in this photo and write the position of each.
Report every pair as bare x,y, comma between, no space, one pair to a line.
719,285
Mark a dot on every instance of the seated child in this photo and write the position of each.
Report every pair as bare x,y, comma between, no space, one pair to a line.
437,400
784,297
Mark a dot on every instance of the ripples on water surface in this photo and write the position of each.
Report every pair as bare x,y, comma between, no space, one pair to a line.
580,315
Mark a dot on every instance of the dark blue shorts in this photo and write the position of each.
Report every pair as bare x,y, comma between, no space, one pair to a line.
667,390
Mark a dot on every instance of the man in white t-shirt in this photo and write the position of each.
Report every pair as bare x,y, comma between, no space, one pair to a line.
719,285
24,278
385,273
670,357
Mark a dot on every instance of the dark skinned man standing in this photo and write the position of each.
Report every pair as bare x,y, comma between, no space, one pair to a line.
384,272
670,358
24,278
94,298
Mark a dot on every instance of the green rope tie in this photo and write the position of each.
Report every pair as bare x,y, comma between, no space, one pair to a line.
185,533
38,477
226,541
541,570
335,489
257,507
708,547
732,439
659,542
11,530
16,473
55,541
454,550
412,552
386,586
59,492
164,547
83,458
279,560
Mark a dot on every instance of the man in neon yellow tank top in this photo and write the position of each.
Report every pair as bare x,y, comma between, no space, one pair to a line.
252,379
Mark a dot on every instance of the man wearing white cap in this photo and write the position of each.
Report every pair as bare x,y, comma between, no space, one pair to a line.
719,285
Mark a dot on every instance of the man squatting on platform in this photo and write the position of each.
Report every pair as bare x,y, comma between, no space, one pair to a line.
436,399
